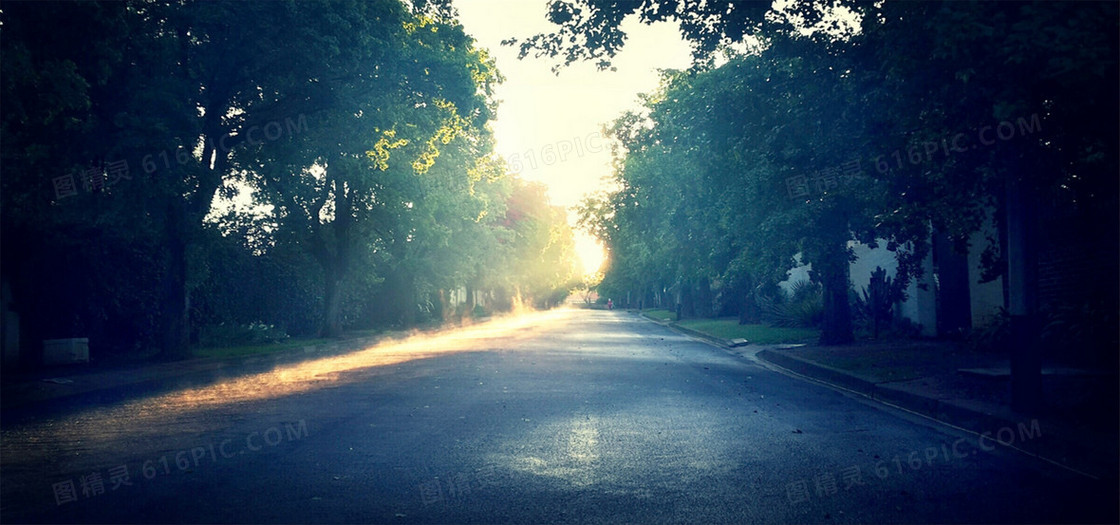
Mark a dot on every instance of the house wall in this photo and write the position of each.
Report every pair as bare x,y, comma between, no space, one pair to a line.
797,273
986,299
867,260
920,306
457,296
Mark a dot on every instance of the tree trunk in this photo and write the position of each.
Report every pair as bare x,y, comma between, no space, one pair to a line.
335,265
836,328
175,303
444,306
703,301
332,306
409,302
749,312
686,305
954,315
183,218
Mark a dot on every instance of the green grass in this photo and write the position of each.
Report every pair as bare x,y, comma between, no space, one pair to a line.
755,333
239,351
660,314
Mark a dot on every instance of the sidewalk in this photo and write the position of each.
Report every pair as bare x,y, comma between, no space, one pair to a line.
1077,429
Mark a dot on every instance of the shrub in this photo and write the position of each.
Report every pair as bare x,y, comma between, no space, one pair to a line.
1087,329
803,307
873,310
993,336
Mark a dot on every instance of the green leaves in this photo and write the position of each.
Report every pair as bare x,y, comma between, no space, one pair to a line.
357,128
734,169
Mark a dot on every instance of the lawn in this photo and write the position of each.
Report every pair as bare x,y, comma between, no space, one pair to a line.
754,333
660,314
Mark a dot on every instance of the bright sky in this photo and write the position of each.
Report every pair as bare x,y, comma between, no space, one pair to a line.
549,127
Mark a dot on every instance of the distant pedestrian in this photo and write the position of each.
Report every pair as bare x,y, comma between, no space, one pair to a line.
610,304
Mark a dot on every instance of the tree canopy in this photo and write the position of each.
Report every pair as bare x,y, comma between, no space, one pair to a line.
173,169
802,129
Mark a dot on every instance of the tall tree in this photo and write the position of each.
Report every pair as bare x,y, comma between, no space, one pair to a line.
1022,97
924,72
408,89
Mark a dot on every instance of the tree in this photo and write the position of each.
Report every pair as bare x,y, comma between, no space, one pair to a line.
783,105
543,246
983,69
715,164
1048,73
371,178
76,221
358,128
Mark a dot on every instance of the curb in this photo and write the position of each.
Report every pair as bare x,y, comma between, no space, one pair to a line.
658,321
820,372
949,413
945,412
1073,455
722,343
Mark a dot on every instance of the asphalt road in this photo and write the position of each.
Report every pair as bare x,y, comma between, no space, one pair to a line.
564,417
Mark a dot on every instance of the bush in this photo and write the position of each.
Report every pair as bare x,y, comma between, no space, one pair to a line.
874,313
803,307
994,336
1079,332
1086,330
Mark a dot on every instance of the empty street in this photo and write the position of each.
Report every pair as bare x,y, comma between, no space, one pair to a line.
567,416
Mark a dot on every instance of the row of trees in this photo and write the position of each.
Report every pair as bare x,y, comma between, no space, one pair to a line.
174,166
835,121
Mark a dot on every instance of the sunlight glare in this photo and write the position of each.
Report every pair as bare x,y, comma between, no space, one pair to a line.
590,251
302,377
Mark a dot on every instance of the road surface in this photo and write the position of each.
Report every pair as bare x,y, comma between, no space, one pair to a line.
569,416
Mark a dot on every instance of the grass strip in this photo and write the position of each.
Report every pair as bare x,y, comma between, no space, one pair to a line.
754,333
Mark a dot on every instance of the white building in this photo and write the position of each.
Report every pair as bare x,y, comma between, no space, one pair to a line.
921,306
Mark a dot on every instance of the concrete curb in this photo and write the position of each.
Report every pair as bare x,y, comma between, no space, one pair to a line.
710,338
658,321
722,343
948,413
1048,445
821,372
